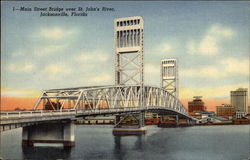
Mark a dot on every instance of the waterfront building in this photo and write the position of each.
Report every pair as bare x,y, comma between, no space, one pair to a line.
220,120
169,76
239,99
196,105
205,113
195,115
240,115
225,110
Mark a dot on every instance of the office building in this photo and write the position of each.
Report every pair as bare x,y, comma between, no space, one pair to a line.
239,100
225,110
196,105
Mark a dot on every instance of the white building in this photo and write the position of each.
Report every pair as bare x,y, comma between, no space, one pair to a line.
239,100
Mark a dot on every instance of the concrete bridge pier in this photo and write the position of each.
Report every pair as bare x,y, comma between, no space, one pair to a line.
56,133
128,128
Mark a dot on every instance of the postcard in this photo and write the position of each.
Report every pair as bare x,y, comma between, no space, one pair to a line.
109,80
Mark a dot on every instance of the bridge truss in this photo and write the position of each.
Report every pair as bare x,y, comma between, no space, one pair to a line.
71,103
109,97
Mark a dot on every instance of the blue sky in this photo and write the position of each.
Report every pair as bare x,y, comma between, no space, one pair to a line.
209,39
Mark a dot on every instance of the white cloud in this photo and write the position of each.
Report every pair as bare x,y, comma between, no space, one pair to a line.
224,67
163,48
210,43
101,78
21,67
166,48
233,65
219,30
206,71
191,46
50,49
57,35
18,53
94,56
56,32
56,70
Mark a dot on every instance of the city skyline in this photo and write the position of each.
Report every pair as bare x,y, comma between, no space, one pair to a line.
212,48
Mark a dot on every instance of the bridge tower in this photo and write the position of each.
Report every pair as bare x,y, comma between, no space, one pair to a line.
129,66
169,81
169,76
129,50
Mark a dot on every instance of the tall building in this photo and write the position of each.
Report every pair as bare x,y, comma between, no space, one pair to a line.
239,100
225,110
169,76
196,105
129,50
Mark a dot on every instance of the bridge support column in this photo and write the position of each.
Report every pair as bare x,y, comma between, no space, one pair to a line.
169,121
129,128
141,119
177,120
49,134
161,119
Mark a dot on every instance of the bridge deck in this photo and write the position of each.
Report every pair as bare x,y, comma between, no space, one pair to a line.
18,119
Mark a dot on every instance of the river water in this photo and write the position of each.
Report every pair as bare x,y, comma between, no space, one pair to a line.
98,143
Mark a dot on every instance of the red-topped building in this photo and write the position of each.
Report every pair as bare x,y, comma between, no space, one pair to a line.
196,105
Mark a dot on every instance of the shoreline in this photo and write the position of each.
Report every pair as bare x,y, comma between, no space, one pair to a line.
215,124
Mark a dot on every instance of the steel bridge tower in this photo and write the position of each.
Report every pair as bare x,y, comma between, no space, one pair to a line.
169,76
129,51
129,68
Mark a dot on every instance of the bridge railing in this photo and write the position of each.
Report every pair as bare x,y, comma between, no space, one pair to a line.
74,112
36,113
